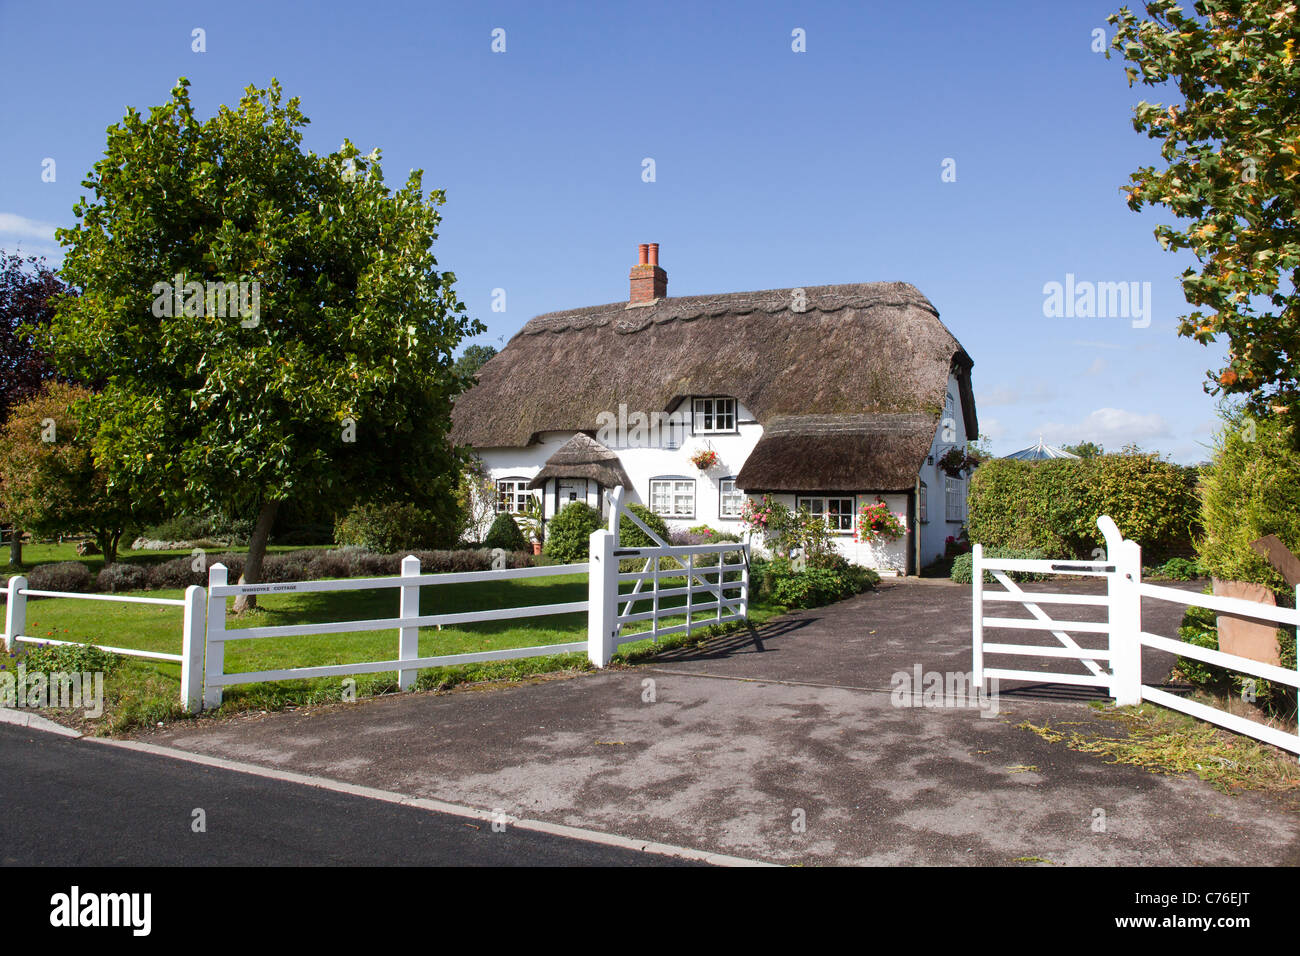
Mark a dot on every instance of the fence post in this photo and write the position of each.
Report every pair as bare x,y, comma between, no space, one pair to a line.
214,638
15,614
744,581
977,616
602,599
408,640
192,640
1126,624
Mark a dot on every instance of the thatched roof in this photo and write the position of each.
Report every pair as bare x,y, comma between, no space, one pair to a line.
583,457
864,351
839,453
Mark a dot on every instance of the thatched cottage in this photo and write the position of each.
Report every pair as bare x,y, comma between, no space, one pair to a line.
826,397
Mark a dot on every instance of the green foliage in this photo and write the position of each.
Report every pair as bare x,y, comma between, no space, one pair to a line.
568,536
1084,449
963,566
1053,505
1178,569
472,359
1229,178
388,527
341,383
68,659
630,536
1250,489
504,533
779,582
50,483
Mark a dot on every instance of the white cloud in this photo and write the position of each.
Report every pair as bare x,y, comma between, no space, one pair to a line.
1097,367
15,225
992,429
1109,427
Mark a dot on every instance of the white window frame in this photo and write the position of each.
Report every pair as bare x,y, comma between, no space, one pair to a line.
725,493
519,493
954,490
713,409
676,491
843,523
923,505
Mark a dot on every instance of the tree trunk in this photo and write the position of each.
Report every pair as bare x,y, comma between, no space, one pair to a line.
256,552
16,548
108,541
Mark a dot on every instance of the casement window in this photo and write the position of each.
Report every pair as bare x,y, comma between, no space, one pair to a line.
838,512
922,505
714,415
673,497
730,500
512,496
955,493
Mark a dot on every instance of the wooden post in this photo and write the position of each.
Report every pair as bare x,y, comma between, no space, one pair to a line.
408,638
192,640
15,614
214,640
602,599
977,616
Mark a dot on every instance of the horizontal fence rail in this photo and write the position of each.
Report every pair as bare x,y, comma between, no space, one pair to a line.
407,622
190,658
1125,590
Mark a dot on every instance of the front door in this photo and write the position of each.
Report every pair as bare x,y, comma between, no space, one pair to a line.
571,489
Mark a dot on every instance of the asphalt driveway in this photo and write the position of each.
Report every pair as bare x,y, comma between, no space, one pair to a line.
782,744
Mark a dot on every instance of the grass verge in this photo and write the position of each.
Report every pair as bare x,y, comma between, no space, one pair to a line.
1165,741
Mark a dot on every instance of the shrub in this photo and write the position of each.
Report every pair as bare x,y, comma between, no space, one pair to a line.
630,536
776,580
385,528
1250,489
505,534
1053,506
568,536
180,528
68,659
1200,627
123,576
1178,569
71,576
963,565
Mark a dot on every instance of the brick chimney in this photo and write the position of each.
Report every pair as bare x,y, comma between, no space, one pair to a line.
649,282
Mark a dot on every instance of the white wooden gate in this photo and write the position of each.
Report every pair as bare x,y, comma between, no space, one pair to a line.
1125,636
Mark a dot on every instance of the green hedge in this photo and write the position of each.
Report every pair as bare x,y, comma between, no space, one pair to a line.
1251,489
963,566
387,527
630,536
1053,506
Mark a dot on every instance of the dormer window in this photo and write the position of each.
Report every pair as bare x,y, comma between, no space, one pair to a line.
714,415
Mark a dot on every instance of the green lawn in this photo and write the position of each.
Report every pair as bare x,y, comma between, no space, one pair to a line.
144,692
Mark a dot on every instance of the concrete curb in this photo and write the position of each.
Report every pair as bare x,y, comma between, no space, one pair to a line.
22,718
437,806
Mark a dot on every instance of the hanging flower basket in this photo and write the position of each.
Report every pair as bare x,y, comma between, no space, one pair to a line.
877,522
704,459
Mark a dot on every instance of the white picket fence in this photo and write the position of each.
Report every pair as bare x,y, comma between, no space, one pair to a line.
1122,569
718,571
190,658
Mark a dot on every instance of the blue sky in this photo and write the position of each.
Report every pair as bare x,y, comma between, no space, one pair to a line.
773,168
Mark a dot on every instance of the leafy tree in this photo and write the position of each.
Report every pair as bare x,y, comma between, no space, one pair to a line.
476,497
332,379
1084,449
473,359
1232,175
49,481
28,288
